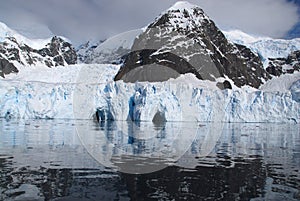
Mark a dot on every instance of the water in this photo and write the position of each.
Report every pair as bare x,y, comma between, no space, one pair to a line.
84,160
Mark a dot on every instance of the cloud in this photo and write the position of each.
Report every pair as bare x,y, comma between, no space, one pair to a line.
81,20
264,17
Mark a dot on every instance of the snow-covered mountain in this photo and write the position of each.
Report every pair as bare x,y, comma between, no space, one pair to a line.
17,51
275,54
265,47
183,39
279,56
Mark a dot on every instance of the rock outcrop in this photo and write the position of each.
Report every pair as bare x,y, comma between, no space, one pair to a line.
281,66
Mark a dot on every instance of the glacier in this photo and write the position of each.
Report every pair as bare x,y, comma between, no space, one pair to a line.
79,91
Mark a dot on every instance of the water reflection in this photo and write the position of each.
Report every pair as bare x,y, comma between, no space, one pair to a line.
45,160
241,182
137,147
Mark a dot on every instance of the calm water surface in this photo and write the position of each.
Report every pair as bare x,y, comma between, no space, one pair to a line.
84,160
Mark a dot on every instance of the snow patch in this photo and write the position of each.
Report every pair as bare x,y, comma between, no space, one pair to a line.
181,5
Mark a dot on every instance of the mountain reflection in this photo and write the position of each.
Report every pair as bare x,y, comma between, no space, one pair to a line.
246,180
45,160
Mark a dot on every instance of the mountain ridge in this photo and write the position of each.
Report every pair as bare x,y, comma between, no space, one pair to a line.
16,53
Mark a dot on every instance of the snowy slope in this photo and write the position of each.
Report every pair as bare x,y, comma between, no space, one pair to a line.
263,46
5,32
80,91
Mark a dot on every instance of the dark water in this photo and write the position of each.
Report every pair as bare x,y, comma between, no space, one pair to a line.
82,160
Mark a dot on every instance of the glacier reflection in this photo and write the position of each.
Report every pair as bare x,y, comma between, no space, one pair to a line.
45,159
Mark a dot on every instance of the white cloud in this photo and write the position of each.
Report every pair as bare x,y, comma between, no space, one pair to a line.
265,17
81,20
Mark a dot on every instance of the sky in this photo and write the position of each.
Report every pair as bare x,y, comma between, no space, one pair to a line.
83,20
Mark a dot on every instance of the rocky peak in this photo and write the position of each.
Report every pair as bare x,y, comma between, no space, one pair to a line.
182,15
14,53
62,52
185,40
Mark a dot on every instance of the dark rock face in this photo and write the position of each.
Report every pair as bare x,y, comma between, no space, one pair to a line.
281,66
167,59
6,67
187,41
56,52
224,85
